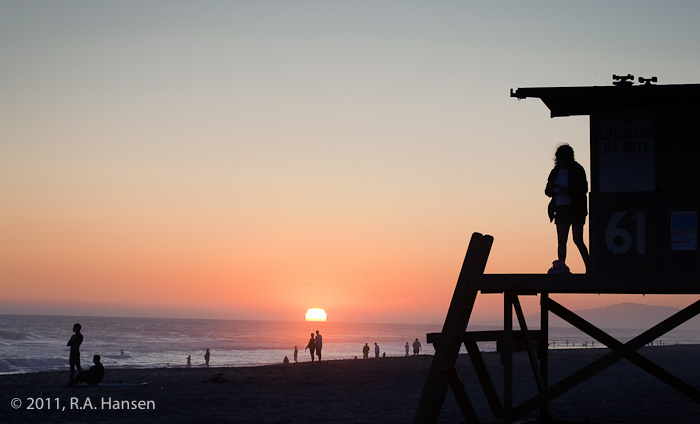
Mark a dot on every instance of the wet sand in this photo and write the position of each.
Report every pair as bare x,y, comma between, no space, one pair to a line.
383,390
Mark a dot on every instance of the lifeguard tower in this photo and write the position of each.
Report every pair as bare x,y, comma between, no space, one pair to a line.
643,206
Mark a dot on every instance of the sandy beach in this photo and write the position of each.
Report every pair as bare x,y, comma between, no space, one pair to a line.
383,390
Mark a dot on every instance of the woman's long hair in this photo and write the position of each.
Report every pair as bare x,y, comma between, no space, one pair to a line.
564,155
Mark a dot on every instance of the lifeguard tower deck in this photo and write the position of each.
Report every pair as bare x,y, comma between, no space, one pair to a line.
644,199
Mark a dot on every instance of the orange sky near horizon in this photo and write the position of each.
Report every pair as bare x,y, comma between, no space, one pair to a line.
224,161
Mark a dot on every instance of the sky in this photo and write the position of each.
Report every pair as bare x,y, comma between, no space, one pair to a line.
253,159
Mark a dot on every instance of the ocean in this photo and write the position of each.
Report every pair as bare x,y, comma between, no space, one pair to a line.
31,343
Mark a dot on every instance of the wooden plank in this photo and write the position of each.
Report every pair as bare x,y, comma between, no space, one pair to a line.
589,283
484,378
447,348
465,405
486,336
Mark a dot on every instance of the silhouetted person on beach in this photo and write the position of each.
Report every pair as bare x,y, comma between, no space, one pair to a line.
567,186
376,350
311,346
365,351
74,359
207,355
407,348
296,353
92,376
319,345
189,361
416,347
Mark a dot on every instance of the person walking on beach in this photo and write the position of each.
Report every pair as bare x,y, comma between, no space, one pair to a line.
365,351
92,376
74,359
311,346
376,350
207,355
189,361
567,186
416,347
407,347
296,353
319,345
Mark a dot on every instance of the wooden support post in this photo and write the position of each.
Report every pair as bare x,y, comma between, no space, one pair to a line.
531,354
507,357
450,341
543,350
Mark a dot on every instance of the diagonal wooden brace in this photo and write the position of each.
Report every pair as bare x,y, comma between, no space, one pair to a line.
622,351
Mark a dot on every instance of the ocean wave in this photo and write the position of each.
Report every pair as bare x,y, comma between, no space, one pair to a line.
13,335
22,365
118,356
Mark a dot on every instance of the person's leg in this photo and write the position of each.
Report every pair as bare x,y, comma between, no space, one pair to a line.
78,378
72,371
74,361
562,238
577,234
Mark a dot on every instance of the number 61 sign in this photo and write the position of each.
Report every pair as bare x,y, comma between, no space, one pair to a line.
619,240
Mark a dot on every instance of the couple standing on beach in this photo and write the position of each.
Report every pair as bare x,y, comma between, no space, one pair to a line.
315,345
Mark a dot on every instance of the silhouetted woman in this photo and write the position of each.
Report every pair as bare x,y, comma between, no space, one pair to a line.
311,346
567,186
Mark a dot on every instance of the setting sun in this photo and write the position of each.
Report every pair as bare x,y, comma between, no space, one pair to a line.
316,314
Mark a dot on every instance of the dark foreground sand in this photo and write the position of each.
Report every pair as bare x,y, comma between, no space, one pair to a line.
384,390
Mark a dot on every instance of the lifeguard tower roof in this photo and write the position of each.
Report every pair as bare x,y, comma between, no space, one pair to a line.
572,101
